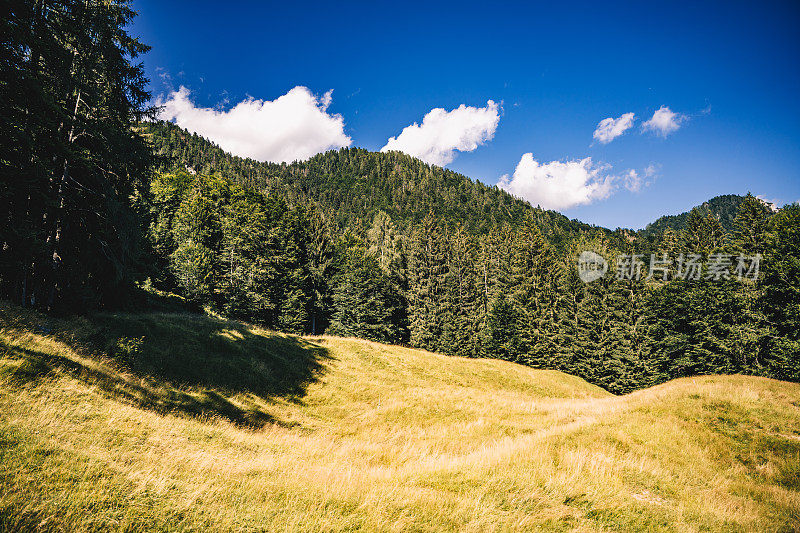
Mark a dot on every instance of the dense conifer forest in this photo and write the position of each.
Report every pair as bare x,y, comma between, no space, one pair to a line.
99,202
381,262
724,208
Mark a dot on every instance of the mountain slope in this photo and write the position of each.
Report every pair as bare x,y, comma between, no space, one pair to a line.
724,208
343,434
353,185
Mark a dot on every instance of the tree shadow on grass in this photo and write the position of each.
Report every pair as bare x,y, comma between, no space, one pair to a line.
175,362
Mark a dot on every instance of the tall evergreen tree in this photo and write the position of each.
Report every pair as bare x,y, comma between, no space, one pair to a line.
366,303
427,273
503,339
780,299
750,225
462,319
70,99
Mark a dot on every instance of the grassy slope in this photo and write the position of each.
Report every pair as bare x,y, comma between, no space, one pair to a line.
197,423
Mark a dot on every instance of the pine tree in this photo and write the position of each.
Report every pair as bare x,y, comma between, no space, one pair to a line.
532,281
71,156
750,225
462,326
780,299
502,330
321,257
703,233
197,232
427,272
296,286
365,301
247,259
570,292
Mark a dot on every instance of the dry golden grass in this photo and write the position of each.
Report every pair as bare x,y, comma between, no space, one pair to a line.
376,438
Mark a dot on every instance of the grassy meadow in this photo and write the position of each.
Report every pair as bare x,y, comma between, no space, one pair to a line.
179,422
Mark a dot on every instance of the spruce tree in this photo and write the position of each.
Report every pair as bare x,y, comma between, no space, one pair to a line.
750,225
72,157
780,297
427,272
365,301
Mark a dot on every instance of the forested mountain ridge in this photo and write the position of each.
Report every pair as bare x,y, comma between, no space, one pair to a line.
724,208
353,185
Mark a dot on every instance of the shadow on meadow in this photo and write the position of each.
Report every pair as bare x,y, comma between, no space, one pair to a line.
170,362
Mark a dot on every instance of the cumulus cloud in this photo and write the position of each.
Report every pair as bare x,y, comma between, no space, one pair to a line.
292,127
610,128
442,133
634,180
563,184
559,184
664,121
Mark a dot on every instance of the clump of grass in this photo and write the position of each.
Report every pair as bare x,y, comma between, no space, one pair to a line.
98,433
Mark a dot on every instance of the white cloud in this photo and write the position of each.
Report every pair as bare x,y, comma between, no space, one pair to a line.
610,128
294,126
442,133
563,184
559,184
634,180
664,121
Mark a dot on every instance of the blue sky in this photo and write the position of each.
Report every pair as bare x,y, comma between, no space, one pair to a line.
730,71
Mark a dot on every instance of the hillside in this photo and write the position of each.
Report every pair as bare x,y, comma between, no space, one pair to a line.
353,185
724,208
169,421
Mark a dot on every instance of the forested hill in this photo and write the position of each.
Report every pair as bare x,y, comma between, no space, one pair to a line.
353,185
424,256
724,208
